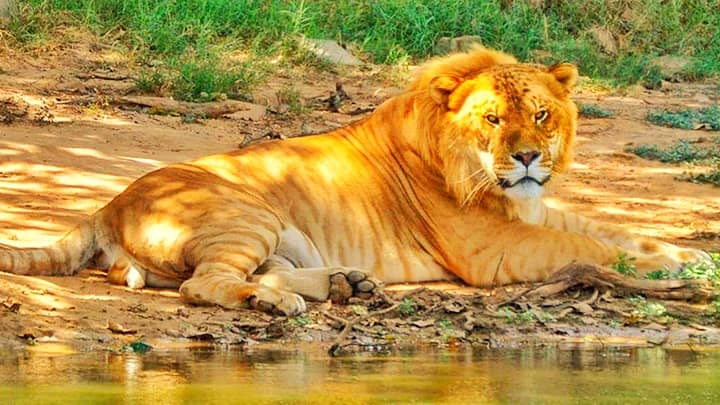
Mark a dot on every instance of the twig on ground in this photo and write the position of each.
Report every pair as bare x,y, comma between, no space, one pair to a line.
338,345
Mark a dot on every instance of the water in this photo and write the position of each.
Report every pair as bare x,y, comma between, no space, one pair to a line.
303,375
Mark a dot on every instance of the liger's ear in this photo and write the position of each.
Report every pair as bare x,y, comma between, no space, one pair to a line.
442,86
565,73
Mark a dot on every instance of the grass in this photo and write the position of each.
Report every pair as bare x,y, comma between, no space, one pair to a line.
648,309
702,270
593,111
712,177
687,152
300,320
680,151
386,31
291,97
691,118
625,265
706,270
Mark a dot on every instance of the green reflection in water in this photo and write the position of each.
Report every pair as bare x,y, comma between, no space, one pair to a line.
304,376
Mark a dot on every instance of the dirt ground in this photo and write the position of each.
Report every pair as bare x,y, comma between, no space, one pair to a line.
67,146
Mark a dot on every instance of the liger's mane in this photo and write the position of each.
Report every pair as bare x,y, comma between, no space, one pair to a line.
454,163
461,65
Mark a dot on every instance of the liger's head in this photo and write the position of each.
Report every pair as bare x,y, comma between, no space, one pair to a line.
501,127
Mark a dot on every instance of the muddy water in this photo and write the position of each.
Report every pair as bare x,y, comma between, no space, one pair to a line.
301,375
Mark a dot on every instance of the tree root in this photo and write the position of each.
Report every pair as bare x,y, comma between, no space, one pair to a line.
602,277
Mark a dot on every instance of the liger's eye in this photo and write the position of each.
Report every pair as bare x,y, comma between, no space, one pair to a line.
541,116
492,119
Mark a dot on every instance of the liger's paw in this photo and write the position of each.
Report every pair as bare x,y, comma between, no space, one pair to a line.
673,258
692,256
277,302
352,283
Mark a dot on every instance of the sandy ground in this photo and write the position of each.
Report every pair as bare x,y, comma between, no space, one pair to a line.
68,152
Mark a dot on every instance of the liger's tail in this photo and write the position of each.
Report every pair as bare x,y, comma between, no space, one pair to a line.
65,257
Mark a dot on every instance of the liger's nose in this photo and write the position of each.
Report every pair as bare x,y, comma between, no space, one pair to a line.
526,157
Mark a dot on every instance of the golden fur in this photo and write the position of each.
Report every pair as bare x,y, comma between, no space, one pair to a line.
442,181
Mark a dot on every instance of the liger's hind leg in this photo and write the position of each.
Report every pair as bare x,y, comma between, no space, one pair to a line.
224,257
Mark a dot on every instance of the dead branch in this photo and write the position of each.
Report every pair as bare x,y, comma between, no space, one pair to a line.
102,76
162,105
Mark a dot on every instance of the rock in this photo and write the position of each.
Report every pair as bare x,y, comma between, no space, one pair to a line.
459,44
672,66
6,9
605,38
331,51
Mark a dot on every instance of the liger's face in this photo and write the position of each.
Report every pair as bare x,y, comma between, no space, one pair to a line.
522,125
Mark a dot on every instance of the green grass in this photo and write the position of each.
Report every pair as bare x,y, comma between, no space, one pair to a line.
291,97
693,271
648,309
387,31
712,177
687,152
692,118
680,151
593,111
625,265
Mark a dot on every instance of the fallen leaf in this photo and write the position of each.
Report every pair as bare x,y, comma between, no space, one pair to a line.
584,308
424,323
11,306
316,326
454,307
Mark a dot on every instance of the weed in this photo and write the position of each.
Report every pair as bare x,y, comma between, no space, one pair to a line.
712,177
647,309
514,317
525,317
594,111
297,53
680,151
625,265
444,324
300,320
151,82
614,324
687,152
204,79
708,117
359,310
291,97
544,317
705,270
659,275
407,306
